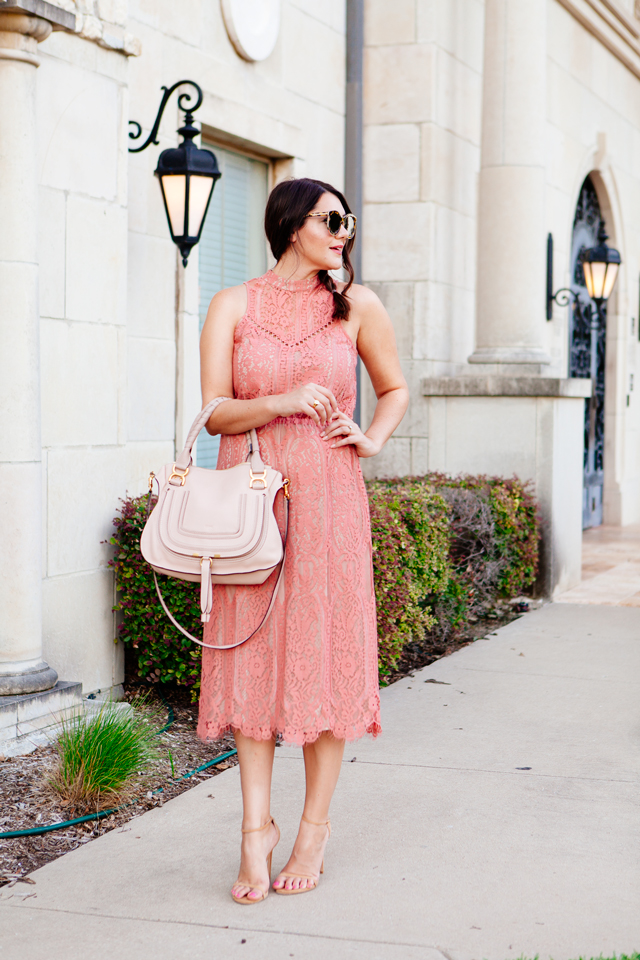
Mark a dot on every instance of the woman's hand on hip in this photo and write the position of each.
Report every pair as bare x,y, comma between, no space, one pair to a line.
315,401
342,431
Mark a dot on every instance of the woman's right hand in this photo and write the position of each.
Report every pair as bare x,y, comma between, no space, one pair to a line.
313,400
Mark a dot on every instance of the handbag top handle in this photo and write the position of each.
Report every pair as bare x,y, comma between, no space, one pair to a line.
183,462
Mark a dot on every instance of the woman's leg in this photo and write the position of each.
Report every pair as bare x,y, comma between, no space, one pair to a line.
256,765
322,762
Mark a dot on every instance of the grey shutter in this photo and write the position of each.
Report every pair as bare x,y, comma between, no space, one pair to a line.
232,246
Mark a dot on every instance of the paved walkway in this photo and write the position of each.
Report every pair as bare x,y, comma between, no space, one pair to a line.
497,816
610,568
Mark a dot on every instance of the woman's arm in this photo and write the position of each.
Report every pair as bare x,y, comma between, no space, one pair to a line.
376,344
216,375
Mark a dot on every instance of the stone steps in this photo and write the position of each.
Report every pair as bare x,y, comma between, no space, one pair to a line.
33,720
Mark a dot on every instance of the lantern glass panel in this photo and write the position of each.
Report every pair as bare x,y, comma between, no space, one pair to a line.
199,192
174,188
594,274
610,279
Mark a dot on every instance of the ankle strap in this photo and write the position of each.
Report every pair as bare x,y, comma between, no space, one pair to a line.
321,823
256,829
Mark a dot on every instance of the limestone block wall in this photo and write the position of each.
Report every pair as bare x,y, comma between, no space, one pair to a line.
424,116
593,105
423,86
81,114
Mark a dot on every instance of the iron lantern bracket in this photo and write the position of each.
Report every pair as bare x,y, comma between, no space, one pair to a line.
564,295
183,104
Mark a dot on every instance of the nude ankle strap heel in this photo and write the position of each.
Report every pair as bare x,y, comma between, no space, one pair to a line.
305,876
322,823
263,827
245,900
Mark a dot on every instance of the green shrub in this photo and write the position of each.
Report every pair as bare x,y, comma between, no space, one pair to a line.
100,754
162,654
507,561
494,534
443,549
410,546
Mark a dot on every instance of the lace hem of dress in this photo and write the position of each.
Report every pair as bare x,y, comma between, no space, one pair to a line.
296,738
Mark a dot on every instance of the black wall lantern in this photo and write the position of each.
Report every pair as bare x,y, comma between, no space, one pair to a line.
187,174
600,265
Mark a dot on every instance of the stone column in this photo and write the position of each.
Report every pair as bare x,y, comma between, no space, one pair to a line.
22,669
510,320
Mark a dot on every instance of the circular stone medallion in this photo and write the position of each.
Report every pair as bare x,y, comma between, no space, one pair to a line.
253,26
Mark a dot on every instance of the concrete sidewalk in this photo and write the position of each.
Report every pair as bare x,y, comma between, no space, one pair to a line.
496,816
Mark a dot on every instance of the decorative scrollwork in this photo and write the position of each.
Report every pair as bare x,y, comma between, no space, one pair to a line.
563,296
184,104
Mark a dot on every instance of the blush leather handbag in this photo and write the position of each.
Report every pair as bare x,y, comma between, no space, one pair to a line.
216,526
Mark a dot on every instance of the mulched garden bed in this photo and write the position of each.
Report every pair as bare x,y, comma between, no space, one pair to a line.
27,801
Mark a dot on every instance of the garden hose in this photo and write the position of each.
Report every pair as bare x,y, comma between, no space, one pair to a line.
35,831
170,715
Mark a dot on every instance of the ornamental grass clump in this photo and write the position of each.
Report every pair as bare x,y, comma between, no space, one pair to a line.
99,755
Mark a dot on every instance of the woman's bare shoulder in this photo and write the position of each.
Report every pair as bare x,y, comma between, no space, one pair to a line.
227,307
360,296
365,304
230,300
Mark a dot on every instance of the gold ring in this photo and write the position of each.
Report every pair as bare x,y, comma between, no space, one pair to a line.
315,404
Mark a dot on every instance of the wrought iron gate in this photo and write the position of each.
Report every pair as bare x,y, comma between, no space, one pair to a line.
584,335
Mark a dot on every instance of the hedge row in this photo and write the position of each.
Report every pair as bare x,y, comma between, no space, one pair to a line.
442,548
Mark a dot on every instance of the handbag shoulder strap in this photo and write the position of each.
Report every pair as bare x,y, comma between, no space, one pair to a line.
239,643
184,460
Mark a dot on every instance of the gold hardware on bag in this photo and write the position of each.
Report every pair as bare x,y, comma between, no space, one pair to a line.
285,488
152,477
175,473
254,477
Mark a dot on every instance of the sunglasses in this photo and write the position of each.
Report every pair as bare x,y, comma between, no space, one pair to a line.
334,220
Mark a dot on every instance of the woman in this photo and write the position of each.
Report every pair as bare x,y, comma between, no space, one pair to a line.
285,347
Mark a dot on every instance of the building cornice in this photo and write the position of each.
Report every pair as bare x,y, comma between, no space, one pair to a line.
612,26
501,386
79,19
58,18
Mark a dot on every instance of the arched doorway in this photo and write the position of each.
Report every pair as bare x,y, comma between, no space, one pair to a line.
586,224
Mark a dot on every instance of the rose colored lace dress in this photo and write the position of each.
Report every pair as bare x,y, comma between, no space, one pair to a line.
313,666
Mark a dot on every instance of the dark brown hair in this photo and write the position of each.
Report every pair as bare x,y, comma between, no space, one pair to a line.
288,205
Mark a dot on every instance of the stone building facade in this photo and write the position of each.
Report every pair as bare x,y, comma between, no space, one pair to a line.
481,123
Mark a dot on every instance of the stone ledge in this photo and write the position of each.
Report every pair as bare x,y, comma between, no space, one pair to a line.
463,386
66,16
33,720
58,18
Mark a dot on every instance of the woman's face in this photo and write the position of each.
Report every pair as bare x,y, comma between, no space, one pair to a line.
313,240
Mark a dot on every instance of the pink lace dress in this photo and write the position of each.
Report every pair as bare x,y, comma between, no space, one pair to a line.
313,666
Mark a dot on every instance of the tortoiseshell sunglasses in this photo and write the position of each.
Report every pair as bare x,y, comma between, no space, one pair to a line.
335,220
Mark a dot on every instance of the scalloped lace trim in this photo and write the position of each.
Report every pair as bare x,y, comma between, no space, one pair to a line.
296,738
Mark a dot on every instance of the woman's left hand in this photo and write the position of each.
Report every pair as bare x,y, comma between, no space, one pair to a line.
342,431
